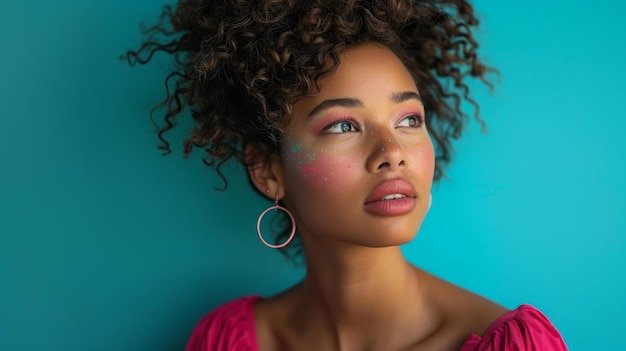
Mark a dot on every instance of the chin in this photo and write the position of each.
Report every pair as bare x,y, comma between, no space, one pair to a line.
390,240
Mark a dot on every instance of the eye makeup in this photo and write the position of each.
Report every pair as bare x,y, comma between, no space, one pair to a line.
321,124
324,153
324,123
344,125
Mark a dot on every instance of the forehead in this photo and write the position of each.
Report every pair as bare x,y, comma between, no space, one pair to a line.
367,72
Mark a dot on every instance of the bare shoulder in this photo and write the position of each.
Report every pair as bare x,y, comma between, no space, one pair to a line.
262,325
270,319
464,311
266,312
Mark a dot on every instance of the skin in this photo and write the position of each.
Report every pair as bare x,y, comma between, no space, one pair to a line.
359,292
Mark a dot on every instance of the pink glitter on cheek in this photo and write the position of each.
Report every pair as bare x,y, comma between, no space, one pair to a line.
328,170
317,166
294,154
351,164
300,159
307,169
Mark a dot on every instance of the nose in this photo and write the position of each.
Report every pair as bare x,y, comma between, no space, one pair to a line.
386,152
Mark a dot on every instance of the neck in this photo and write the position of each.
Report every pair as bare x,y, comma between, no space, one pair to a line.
359,293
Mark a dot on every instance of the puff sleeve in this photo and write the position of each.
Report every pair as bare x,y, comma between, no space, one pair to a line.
230,327
522,329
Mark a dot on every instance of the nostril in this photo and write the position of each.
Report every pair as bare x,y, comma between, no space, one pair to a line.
388,164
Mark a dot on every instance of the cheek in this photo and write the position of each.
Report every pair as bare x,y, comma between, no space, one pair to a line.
318,169
427,157
330,170
426,160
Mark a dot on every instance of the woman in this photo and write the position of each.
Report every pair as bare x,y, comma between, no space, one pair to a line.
334,107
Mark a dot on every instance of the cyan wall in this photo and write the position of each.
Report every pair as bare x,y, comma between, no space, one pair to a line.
106,245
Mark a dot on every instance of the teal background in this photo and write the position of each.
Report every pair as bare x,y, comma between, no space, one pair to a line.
107,245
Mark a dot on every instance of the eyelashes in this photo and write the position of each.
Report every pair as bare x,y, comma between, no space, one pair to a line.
349,125
413,120
344,125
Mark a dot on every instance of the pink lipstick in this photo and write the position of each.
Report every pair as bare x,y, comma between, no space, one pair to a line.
391,198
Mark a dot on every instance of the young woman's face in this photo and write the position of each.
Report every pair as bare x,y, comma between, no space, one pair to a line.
356,158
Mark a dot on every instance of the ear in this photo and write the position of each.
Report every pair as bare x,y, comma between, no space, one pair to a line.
266,174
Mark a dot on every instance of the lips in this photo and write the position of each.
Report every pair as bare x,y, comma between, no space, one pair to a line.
391,198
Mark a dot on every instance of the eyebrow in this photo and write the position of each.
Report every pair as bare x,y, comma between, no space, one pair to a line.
405,96
353,102
328,104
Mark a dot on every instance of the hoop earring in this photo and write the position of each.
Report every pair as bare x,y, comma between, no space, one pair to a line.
430,202
293,226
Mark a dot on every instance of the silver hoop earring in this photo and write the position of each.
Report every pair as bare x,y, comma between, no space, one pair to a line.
293,226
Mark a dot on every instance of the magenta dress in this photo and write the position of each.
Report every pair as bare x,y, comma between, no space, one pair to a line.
230,327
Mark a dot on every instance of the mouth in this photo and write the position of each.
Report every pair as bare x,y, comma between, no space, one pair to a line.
391,197
392,190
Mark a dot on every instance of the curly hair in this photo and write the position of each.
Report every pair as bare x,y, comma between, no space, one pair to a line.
241,64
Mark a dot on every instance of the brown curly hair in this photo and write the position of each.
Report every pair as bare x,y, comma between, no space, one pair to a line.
241,64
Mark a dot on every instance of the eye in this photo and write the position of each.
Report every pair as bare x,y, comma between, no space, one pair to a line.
343,126
411,121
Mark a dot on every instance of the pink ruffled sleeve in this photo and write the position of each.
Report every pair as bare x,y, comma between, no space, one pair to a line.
523,329
230,327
